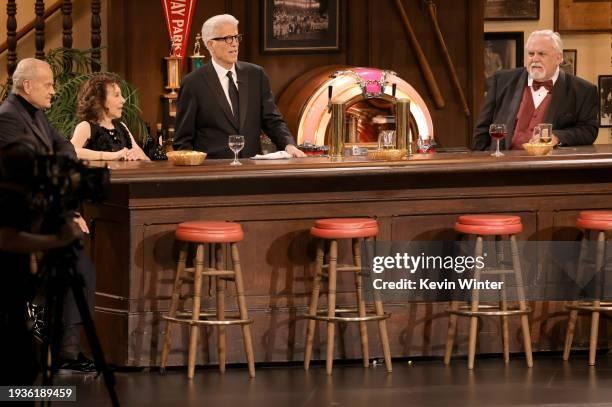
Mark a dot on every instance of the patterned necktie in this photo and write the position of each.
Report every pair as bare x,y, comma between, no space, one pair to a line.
547,84
233,94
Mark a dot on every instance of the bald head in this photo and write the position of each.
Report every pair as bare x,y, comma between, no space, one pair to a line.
33,80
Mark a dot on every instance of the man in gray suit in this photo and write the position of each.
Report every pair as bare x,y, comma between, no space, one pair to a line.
539,93
226,97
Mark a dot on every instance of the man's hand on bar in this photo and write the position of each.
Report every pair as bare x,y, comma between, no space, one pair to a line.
294,151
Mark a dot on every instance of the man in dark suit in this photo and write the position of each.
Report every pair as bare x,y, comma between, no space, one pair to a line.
226,97
22,120
21,114
539,93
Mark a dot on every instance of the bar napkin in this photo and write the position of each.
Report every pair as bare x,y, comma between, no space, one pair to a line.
279,155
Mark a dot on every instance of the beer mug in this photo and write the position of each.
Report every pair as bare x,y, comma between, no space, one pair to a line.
542,133
386,140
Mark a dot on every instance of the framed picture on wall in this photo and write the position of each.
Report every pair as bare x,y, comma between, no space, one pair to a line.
497,10
572,16
503,50
605,100
569,61
300,26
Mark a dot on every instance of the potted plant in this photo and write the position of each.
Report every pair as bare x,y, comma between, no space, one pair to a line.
71,67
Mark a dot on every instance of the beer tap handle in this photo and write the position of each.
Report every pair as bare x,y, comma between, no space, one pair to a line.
330,91
393,89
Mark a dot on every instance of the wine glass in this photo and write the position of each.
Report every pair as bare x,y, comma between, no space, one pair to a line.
497,132
235,143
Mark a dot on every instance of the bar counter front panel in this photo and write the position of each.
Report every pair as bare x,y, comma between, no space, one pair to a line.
276,202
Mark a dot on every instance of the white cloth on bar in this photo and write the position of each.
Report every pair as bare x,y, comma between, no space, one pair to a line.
279,155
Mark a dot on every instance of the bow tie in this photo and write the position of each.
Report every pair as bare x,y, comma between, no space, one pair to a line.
547,84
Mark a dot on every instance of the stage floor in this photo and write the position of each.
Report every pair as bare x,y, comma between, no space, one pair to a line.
551,382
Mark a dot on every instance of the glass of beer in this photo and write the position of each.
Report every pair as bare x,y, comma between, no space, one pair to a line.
386,140
543,133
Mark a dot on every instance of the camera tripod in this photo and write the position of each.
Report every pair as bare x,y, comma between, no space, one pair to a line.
59,271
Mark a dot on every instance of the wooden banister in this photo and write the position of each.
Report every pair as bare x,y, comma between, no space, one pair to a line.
30,26
96,34
39,28
67,24
11,27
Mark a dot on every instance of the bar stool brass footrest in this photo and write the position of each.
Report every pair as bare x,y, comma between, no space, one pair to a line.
497,272
322,316
210,322
211,272
189,295
604,306
487,310
187,314
342,267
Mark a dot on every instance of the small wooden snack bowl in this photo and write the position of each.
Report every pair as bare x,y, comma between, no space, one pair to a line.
538,148
186,157
389,155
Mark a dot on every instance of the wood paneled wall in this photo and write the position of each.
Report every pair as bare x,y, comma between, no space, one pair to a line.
372,35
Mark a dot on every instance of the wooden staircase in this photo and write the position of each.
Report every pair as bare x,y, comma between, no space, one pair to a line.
42,13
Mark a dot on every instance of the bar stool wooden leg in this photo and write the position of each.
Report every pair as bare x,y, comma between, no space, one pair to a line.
450,334
382,333
220,287
246,329
516,264
569,335
382,324
176,292
314,303
195,316
503,304
504,323
594,331
526,335
599,261
472,336
474,308
363,330
573,315
331,304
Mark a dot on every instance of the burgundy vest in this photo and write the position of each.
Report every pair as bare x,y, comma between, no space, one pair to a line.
527,118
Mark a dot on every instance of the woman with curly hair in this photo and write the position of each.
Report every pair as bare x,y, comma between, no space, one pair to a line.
101,135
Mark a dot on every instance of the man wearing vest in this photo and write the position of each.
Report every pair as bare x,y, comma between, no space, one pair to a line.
539,93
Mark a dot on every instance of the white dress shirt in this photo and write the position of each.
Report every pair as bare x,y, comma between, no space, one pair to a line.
540,94
222,73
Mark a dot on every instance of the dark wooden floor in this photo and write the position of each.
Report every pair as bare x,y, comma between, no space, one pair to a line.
551,382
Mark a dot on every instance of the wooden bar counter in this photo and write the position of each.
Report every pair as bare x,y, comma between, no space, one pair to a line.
133,247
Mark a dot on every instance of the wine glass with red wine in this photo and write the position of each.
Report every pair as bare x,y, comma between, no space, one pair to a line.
497,132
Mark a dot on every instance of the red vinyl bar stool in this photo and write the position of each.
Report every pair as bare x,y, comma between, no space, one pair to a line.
498,226
330,231
212,236
595,225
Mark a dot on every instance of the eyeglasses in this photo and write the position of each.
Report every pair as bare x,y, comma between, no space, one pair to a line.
229,38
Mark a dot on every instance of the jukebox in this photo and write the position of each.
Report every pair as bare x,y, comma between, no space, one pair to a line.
355,105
